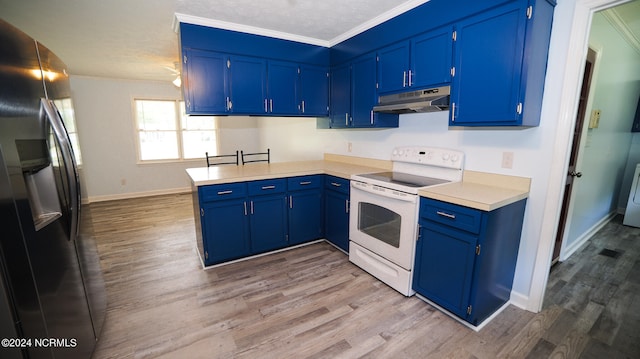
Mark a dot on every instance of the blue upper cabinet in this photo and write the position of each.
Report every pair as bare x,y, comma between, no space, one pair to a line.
282,88
421,62
340,109
314,90
393,67
353,95
228,72
247,84
431,57
205,82
500,64
493,53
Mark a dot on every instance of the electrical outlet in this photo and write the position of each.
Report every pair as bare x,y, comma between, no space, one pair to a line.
349,146
507,159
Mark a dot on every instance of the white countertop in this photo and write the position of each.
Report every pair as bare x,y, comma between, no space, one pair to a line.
479,190
256,171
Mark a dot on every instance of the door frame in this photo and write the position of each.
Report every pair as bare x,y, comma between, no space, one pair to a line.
569,43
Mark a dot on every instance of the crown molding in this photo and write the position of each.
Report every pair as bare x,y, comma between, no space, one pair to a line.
196,20
618,23
377,20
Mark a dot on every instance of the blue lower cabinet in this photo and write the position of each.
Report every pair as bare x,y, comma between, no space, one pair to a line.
225,231
305,209
237,220
336,211
268,219
466,258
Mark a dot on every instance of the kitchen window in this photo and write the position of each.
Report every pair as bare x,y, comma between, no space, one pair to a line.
166,133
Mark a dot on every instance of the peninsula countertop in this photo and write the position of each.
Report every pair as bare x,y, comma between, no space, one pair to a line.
335,165
479,190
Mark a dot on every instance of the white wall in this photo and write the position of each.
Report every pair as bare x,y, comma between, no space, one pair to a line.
104,115
605,149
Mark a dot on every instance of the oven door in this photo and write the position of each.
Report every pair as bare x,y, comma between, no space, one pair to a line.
384,222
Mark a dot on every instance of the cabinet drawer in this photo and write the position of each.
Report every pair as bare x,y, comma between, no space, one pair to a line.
278,185
221,192
304,182
463,218
336,184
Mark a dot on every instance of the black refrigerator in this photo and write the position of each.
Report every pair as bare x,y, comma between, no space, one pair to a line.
52,295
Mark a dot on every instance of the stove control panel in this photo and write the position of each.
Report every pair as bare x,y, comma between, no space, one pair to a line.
432,156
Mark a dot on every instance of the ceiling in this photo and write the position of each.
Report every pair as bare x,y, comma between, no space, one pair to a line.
135,39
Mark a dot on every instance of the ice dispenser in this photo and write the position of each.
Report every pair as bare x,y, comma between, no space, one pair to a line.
39,178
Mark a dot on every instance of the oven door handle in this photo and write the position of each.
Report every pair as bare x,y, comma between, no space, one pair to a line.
379,191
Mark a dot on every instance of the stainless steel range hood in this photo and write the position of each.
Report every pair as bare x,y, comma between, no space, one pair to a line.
428,100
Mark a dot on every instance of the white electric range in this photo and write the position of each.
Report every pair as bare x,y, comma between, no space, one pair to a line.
384,211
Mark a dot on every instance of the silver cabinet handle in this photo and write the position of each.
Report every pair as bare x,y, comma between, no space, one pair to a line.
453,112
245,207
290,201
371,117
302,106
410,78
445,214
251,207
305,183
404,79
265,106
346,209
270,105
268,187
336,184
220,193
346,119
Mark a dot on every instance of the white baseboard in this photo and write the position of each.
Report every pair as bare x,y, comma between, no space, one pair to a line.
113,197
521,301
573,247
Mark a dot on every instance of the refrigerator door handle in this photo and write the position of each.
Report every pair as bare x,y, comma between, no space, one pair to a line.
62,137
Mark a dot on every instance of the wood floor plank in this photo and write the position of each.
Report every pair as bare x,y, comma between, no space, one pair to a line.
311,302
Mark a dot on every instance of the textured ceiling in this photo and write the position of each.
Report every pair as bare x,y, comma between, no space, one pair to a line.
135,39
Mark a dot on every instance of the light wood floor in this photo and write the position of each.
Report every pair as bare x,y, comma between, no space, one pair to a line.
311,302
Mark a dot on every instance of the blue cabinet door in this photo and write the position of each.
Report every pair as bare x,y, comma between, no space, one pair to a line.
340,96
431,57
205,82
444,265
247,84
314,91
282,88
225,231
305,216
363,90
268,221
488,67
393,67
336,212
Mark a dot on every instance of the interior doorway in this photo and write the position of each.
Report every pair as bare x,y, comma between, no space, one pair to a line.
572,173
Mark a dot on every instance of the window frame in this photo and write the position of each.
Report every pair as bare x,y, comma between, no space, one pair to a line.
179,132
